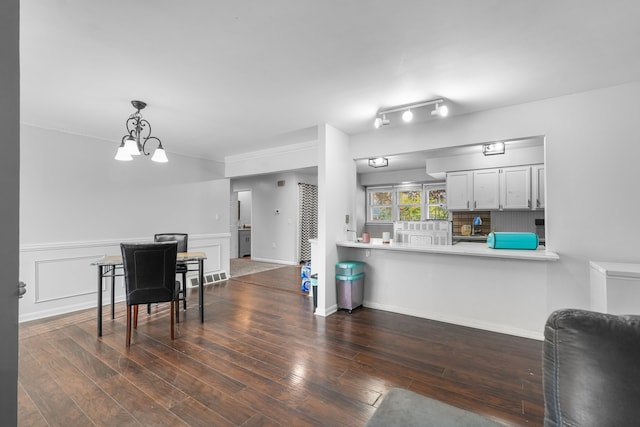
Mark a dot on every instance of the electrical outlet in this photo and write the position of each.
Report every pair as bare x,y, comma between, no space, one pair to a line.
346,219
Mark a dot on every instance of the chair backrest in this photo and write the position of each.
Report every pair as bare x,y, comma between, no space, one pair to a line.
591,368
181,238
149,271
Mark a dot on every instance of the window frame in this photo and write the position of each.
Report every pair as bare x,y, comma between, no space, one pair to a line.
371,205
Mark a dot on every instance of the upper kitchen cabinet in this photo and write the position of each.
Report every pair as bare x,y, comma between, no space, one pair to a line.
515,187
537,186
459,190
486,189
507,188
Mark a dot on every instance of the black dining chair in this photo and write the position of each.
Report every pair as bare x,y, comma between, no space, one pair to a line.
181,268
149,277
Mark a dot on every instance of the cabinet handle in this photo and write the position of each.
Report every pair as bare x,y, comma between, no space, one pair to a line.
467,204
475,204
537,203
529,203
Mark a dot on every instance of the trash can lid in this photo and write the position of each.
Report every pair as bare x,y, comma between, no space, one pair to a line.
349,264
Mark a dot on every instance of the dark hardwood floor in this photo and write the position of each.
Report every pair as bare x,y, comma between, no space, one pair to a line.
263,359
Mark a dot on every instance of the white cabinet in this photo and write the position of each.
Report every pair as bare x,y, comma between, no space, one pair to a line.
515,187
486,189
615,287
244,243
496,189
459,190
537,186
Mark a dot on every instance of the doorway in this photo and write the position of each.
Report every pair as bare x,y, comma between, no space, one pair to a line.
241,225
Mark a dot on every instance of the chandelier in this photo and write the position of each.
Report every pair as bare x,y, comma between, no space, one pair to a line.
138,134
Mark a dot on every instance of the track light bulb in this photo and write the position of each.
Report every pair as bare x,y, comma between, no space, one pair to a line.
407,116
379,122
440,110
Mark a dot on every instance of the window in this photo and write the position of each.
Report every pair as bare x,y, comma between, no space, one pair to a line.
380,206
406,203
409,203
435,201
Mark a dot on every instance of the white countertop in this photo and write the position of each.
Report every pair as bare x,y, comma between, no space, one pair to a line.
460,248
614,269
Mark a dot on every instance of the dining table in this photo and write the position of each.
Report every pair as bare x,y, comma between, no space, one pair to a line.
111,266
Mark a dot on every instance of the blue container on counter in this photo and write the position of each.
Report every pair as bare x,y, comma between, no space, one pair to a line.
506,240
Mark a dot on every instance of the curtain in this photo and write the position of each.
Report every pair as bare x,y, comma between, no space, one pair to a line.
308,218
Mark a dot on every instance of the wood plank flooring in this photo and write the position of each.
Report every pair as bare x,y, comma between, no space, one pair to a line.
263,359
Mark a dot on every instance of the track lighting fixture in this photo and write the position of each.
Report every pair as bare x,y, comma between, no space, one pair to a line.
440,110
139,133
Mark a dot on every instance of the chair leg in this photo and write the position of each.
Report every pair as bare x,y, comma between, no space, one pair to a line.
184,290
135,317
128,326
173,303
177,309
148,308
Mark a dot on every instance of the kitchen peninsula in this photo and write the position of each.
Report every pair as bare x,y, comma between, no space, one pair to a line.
466,283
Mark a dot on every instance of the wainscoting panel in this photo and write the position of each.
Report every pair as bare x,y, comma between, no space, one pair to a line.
63,278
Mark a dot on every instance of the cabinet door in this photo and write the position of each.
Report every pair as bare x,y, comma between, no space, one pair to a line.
459,190
515,188
537,187
486,189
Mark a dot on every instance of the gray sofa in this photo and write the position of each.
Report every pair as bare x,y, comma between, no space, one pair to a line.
591,368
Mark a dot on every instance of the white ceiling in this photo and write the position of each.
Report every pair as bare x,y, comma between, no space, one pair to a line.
226,77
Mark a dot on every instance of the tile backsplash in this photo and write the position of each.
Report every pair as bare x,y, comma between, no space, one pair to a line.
517,221
466,218
523,221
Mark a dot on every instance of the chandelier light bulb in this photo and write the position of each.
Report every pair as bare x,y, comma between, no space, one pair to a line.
443,111
131,146
407,116
377,122
159,156
122,154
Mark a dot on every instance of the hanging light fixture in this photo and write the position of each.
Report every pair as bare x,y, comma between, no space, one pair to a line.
440,110
139,133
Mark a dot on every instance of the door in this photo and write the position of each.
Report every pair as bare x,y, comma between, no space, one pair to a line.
9,209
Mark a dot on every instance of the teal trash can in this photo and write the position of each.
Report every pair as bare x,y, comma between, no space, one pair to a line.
350,284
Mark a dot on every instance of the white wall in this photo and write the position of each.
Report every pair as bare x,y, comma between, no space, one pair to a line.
274,236
336,198
592,147
78,203
288,157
